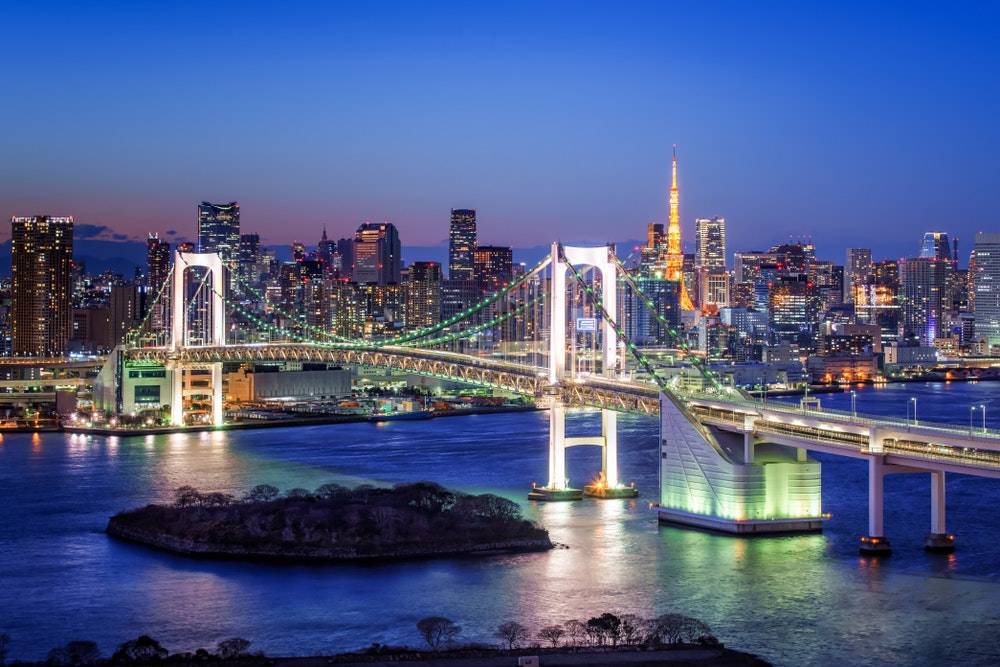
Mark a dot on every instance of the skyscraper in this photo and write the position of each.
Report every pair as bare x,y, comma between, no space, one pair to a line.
674,257
710,243
157,270
219,229
376,254
423,296
935,246
857,271
987,287
41,309
461,244
492,266
924,288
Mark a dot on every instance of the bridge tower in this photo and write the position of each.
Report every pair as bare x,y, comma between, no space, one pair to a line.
602,259
183,380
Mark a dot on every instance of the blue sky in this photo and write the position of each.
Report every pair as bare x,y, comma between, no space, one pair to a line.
855,126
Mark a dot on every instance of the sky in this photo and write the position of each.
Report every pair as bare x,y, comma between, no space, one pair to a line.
837,122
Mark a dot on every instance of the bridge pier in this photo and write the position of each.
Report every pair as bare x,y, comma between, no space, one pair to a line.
875,543
607,485
938,540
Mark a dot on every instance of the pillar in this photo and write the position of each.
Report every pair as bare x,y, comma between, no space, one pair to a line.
557,445
938,540
609,429
176,393
217,394
875,542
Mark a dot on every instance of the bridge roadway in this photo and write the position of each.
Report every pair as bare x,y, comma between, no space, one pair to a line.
917,446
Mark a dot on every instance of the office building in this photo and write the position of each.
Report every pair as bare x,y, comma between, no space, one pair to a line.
462,244
157,272
710,243
857,271
423,296
924,287
376,254
987,287
492,267
219,229
41,286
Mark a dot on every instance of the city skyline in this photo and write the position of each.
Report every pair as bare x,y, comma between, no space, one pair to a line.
554,122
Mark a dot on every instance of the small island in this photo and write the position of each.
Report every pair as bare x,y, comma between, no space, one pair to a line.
332,523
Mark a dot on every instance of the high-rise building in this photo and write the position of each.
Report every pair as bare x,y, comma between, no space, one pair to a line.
376,254
219,229
935,246
423,296
987,287
924,287
710,243
249,263
41,306
650,255
461,244
492,267
157,270
345,248
857,271
674,259
325,251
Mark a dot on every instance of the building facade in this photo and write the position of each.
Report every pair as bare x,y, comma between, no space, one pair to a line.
41,285
710,243
987,287
376,254
462,244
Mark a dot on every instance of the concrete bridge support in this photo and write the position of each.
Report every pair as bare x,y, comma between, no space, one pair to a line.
938,540
875,543
607,486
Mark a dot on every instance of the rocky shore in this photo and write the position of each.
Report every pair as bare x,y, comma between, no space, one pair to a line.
118,527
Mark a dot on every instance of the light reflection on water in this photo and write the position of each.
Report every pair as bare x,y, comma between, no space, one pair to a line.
807,600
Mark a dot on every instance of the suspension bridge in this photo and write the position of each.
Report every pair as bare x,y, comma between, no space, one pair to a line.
566,333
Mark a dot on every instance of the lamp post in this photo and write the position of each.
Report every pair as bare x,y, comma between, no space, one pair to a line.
982,408
913,399
854,404
972,411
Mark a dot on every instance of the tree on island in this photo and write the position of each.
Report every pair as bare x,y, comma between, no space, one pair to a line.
513,633
142,649
261,493
552,634
234,647
437,631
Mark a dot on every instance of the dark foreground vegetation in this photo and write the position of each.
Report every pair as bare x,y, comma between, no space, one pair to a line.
332,523
670,638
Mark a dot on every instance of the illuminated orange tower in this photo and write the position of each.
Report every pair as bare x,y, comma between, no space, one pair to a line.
674,260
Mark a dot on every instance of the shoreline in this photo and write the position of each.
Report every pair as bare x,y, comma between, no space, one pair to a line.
273,423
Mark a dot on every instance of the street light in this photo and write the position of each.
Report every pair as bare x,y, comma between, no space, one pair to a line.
854,405
972,410
983,408
913,399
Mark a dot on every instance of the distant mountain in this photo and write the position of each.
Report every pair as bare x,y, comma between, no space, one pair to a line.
125,256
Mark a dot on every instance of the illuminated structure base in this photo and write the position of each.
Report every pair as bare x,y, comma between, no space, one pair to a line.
939,543
609,492
875,546
545,493
731,483
741,527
